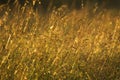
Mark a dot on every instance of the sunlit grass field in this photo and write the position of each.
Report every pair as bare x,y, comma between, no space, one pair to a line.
62,45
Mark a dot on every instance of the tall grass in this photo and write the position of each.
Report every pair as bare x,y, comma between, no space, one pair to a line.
63,45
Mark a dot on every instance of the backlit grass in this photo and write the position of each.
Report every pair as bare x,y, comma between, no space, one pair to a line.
62,45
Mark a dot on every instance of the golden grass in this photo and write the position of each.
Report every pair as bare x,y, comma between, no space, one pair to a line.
63,45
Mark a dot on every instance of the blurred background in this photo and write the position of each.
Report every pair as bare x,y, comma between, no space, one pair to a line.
48,5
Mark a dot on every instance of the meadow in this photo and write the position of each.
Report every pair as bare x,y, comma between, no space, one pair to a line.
63,45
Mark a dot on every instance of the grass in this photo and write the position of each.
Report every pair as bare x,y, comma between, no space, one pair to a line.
63,45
